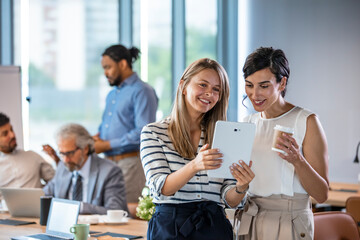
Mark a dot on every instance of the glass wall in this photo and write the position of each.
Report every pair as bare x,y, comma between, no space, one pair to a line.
66,82
67,38
152,33
201,29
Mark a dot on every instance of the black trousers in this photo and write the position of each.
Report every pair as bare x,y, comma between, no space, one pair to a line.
197,220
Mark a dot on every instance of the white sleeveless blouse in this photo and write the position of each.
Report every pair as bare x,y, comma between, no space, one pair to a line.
274,175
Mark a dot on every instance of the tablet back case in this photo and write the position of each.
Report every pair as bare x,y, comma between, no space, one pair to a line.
235,141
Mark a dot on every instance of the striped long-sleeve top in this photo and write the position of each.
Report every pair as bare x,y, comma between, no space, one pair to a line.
159,159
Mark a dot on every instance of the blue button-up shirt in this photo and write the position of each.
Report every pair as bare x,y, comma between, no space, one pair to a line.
129,107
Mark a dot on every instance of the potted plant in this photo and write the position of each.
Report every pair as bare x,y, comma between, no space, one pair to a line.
145,208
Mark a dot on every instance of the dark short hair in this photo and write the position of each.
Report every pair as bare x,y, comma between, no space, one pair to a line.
119,52
3,119
267,57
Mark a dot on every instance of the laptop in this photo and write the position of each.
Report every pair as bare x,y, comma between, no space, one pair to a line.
23,202
63,214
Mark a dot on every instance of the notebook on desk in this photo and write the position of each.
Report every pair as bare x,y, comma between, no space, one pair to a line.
23,202
63,214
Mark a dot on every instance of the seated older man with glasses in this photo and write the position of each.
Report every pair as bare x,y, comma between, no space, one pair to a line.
83,176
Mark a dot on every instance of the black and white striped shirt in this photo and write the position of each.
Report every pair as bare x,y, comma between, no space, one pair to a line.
159,159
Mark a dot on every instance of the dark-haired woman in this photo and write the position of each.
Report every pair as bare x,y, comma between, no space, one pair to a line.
278,204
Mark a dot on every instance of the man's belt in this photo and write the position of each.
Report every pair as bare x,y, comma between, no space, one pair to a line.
119,157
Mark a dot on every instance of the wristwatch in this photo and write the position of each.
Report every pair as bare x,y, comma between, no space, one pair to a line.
243,192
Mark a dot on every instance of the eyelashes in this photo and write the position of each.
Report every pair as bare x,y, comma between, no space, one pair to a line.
262,86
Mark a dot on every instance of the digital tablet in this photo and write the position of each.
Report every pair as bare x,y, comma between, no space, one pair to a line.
235,141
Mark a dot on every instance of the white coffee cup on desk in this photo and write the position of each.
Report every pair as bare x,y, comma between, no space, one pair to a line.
116,215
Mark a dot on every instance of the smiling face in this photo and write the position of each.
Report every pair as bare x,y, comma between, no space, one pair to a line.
7,138
263,90
202,92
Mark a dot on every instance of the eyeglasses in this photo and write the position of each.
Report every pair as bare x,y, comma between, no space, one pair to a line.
69,153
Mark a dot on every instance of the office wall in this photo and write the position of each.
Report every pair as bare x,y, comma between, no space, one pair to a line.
321,39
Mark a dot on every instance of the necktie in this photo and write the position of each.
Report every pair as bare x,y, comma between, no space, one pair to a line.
77,190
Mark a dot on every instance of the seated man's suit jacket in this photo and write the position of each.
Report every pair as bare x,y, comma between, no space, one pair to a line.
106,186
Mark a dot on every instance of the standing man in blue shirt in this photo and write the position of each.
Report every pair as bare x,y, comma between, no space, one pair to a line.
131,105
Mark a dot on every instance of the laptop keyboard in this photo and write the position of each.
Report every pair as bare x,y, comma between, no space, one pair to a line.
47,237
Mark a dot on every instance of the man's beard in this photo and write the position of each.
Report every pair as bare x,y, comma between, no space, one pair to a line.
10,148
116,82
73,166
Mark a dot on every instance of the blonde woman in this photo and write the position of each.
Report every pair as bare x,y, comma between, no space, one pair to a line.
175,154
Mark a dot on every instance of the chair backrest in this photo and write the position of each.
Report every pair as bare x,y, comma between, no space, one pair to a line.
132,209
353,208
335,225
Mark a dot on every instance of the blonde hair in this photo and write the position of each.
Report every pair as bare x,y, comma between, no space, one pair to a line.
179,130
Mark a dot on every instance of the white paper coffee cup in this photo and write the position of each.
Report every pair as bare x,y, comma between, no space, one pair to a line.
278,130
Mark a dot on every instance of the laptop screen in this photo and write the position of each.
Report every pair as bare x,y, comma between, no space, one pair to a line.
63,214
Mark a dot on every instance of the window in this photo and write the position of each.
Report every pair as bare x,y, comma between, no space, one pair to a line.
67,38
66,82
152,33
201,29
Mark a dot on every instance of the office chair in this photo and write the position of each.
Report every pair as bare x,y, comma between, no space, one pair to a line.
335,226
353,208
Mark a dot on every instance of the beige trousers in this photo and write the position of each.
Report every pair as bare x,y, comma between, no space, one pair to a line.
276,217
134,177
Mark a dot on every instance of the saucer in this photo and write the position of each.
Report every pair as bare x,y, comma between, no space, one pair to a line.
124,220
90,219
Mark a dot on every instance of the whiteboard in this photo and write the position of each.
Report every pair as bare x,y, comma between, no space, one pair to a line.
10,99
